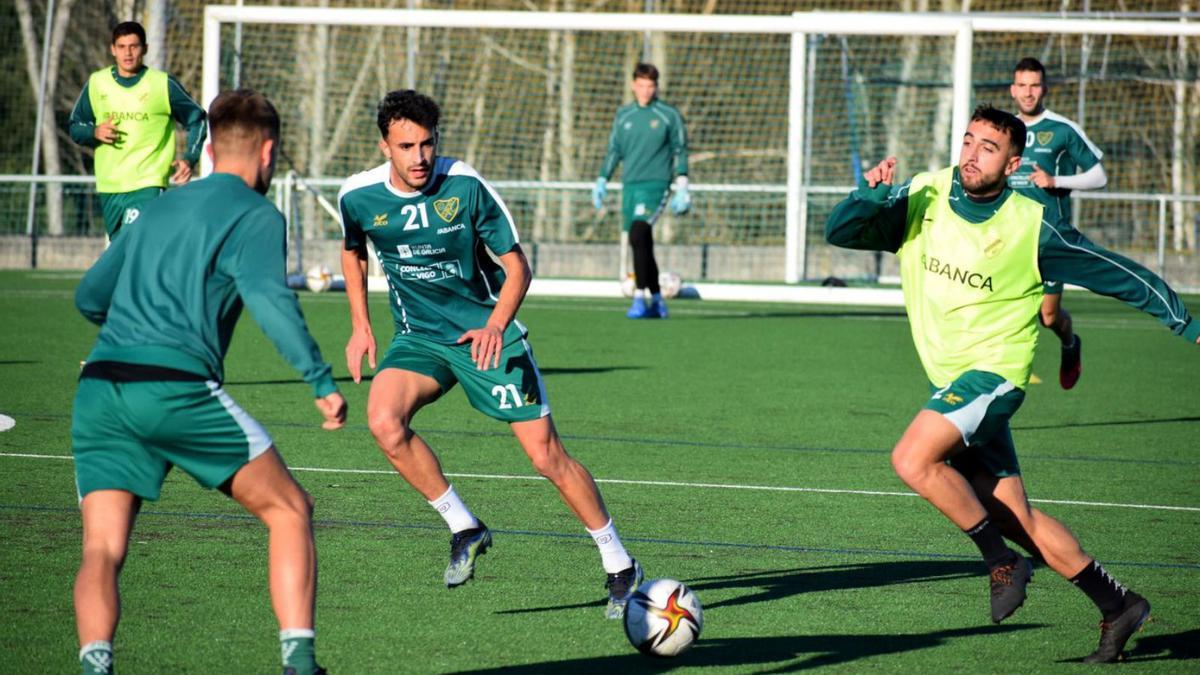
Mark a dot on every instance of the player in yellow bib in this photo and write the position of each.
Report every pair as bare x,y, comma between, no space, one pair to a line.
973,254
127,113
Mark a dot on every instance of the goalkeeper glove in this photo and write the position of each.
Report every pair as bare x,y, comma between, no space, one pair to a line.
599,192
681,201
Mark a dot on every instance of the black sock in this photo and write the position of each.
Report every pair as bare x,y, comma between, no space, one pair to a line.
991,544
1105,591
645,268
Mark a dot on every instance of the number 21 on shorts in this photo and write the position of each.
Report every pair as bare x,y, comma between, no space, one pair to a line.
503,391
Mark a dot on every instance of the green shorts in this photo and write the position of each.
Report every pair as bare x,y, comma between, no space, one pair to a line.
1052,287
643,201
122,208
128,435
512,392
980,404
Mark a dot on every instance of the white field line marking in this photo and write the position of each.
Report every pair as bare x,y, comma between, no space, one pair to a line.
715,486
731,312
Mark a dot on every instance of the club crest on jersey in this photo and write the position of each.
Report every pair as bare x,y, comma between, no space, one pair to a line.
993,249
446,208
1044,137
653,124
380,220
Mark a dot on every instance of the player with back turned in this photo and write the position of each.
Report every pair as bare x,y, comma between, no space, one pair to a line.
167,295
973,255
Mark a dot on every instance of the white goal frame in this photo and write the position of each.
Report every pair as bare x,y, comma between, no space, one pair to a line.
961,27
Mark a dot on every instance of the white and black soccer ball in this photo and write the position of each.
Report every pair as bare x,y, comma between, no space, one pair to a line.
318,279
663,618
670,284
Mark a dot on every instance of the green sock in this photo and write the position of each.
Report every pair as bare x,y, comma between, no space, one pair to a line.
96,658
298,649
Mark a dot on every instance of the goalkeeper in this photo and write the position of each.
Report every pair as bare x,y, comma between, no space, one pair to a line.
973,254
649,136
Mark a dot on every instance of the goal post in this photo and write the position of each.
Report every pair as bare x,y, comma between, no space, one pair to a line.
778,109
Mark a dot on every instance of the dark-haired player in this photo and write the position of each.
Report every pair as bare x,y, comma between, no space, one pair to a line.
1055,149
973,255
127,112
456,277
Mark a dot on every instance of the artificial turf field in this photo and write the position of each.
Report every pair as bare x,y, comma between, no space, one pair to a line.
742,448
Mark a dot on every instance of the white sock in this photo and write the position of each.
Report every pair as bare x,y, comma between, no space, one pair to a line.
612,551
297,633
98,654
454,511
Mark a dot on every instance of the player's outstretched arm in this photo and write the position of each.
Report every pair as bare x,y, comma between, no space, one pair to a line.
874,216
1065,254
362,340
487,342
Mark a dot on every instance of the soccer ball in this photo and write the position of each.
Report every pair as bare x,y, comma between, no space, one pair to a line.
670,284
318,279
663,618
629,286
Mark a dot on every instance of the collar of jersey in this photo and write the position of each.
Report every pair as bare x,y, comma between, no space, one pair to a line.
971,210
387,182
128,81
1041,116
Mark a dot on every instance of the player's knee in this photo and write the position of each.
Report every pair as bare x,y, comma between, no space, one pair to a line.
388,428
907,466
107,554
547,467
1049,317
548,462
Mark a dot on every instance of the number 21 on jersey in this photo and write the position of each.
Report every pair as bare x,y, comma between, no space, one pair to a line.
413,211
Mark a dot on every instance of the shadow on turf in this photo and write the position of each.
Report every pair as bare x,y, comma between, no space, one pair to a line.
367,377
778,584
786,654
1183,646
1108,423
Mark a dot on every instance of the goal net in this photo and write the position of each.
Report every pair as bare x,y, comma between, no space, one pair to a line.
783,114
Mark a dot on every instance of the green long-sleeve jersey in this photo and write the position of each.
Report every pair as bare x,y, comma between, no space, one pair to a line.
184,109
651,141
1059,147
878,220
170,289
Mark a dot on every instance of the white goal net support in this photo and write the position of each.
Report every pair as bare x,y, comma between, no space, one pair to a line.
783,113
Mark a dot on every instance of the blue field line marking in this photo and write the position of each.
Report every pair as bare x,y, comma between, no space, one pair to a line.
670,442
334,522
